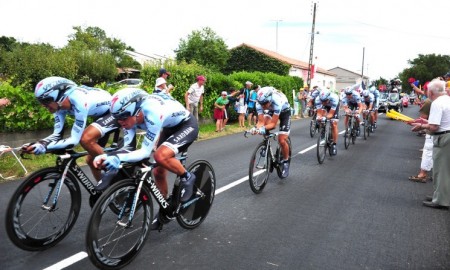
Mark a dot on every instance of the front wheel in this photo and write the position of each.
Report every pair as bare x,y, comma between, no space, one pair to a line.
194,211
321,145
347,135
259,169
113,239
313,127
33,221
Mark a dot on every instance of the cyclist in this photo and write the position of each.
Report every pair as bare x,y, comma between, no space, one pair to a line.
272,105
63,97
374,91
312,96
368,100
350,102
166,122
327,105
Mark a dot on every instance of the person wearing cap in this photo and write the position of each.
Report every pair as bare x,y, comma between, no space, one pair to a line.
163,75
219,110
194,96
244,97
161,86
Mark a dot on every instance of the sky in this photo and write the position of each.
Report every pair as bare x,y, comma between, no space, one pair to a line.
385,33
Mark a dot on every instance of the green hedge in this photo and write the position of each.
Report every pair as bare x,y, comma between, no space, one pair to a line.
25,113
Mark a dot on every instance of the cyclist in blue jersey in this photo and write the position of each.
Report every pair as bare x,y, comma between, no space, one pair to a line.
368,100
312,96
352,101
272,106
327,105
63,97
376,94
167,122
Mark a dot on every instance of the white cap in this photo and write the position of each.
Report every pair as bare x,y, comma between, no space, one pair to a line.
160,81
249,82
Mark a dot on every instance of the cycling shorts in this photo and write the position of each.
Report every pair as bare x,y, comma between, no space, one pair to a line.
106,124
181,136
336,113
285,120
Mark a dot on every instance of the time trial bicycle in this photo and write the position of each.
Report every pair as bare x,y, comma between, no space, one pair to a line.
114,238
264,160
351,132
324,141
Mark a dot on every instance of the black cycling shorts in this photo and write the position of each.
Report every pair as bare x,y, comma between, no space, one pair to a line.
181,136
106,124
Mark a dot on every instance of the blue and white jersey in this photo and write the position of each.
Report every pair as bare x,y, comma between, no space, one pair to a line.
84,102
314,94
160,111
369,100
353,100
278,103
332,102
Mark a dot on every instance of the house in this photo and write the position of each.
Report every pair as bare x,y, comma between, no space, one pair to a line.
320,77
346,77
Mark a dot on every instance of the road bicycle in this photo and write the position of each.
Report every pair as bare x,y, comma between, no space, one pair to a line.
351,132
324,141
44,208
313,125
114,238
264,160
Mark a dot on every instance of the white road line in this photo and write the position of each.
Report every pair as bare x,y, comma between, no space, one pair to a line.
314,146
67,262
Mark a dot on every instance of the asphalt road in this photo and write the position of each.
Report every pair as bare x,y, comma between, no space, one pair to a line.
356,211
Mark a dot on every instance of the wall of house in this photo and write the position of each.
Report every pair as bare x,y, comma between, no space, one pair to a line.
320,79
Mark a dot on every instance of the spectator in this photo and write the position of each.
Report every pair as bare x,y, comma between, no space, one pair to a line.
297,103
231,100
244,95
219,110
164,74
302,95
194,96
439,124
161,86
427,154
251,106
4,102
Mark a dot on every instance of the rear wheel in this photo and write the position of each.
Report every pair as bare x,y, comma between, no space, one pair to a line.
313,127
194,211
32,222
259,169
280,157
355,131
114,240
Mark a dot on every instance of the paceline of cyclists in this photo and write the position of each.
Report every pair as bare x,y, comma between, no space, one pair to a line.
169,126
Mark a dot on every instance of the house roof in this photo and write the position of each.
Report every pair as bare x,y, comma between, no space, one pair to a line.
293,62
356,74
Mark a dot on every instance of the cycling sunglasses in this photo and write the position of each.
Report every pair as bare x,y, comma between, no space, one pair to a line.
263,103
45,101
121,116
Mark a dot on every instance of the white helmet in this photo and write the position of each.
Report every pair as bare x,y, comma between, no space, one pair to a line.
53,89
324,95
365,93
265,95
126,102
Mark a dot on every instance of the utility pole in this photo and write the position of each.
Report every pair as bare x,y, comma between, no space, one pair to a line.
276,34
362,69
311,47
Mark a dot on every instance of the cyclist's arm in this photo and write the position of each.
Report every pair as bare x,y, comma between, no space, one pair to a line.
75,135
273,122
58,128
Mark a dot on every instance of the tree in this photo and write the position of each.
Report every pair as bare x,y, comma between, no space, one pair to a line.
205,48
425,68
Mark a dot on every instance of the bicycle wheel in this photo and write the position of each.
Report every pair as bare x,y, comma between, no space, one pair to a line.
365,128
30,222
113,240
194,211
348,133
354,131
279,157
259,169
321,145
312,127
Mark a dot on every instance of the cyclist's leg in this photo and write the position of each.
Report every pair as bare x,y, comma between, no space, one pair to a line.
284,130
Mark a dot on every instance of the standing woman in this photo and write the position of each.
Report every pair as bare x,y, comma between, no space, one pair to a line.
219,110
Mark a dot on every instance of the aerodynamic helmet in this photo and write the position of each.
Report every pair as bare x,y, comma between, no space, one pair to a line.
53,89
126,102
365,93
348,91
265,95
324,95
372,89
